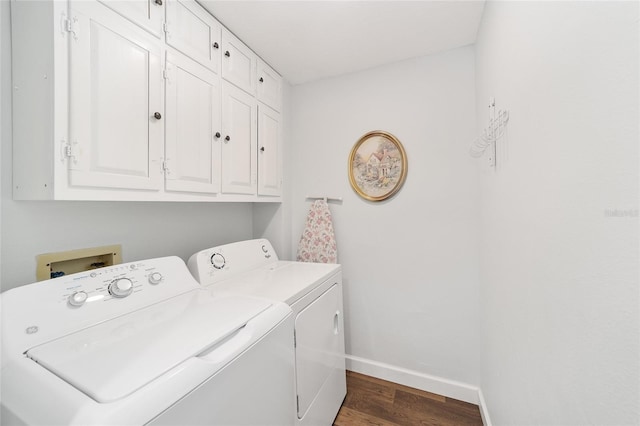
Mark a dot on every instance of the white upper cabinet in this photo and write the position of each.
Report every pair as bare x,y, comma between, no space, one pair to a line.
146,13
116,127
192,31
239,140
238,63
140,100
192,151
269,86
269,154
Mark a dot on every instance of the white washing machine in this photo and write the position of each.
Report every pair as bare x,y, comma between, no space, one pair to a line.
143,343
314,292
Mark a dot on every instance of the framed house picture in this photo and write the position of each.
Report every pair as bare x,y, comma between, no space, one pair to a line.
377,166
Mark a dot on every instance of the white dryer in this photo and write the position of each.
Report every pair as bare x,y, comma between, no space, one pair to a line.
143,343
314,292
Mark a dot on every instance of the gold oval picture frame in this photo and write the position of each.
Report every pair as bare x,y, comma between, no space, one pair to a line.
377,166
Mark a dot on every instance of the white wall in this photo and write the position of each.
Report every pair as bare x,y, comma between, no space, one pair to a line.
559,294
145,230
410,263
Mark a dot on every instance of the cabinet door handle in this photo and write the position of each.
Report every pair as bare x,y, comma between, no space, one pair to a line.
262,149
227,53
158,2
261,80
215,45
157,115
227,138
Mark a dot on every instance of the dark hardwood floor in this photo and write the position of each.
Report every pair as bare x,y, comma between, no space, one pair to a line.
371,401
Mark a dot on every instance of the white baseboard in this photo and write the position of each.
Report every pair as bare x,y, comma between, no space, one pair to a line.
484,410
414,379
438,385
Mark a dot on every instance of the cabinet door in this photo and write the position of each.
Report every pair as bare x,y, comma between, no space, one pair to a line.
238,63
192,150
115,92
269,166
319,345
269,86
239,141
146,13
194,32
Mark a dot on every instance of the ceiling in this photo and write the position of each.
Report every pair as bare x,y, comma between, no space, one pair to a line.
310,40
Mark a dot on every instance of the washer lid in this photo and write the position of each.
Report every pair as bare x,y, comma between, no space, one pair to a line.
115,358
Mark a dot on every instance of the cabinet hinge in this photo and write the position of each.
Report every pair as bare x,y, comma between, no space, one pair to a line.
165,27
165,74
70,26
69,151
165,167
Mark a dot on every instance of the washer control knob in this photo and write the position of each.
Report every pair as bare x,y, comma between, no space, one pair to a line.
218,261
78,298
155,277
122,287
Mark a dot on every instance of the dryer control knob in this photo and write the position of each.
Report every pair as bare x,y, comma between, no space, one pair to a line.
122,287
78,298
155,277
218,261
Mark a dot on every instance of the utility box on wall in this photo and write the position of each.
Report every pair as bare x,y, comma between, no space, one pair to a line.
53,265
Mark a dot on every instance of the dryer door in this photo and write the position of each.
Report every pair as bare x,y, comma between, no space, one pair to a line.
319,346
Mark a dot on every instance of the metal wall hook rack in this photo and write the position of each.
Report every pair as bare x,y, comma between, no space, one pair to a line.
326,199
495,130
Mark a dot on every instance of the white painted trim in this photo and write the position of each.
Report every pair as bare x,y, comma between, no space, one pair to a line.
484,409
415,379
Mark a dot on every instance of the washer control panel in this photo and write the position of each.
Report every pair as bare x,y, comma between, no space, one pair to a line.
116,282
